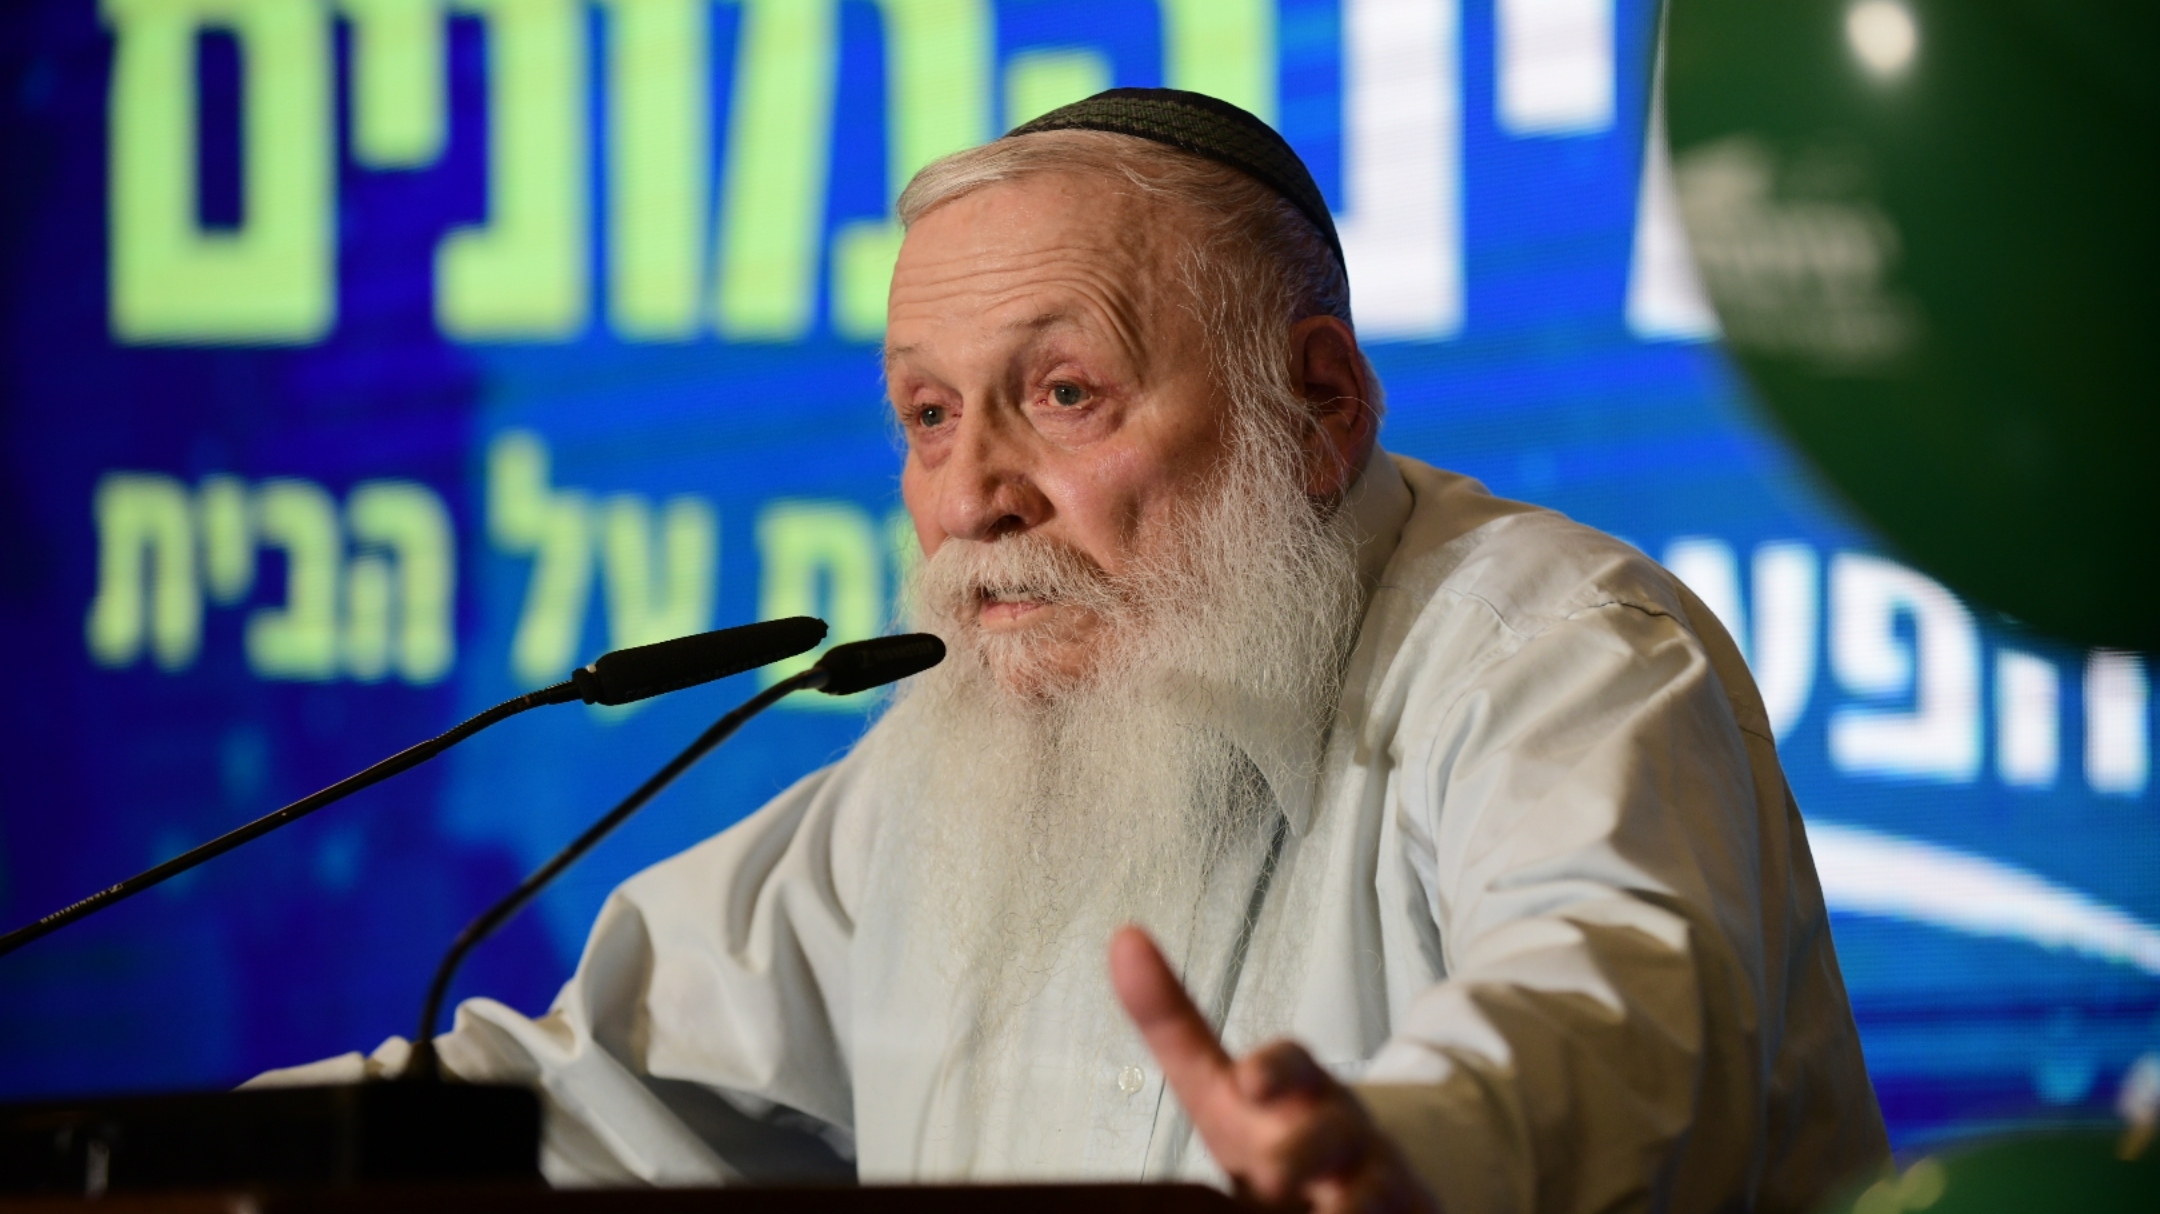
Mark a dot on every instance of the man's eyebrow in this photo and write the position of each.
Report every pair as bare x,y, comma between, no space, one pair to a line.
1039,322
1056,318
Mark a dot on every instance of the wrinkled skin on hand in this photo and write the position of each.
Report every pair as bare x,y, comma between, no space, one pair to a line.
1288,1134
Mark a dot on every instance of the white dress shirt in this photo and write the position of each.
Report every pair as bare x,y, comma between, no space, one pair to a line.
1542,893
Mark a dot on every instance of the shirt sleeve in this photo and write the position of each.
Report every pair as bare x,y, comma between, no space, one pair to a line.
697,1042
1591,824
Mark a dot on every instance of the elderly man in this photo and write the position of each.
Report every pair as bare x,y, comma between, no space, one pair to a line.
1468,873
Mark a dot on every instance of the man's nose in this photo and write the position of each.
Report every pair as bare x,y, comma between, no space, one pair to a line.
985,486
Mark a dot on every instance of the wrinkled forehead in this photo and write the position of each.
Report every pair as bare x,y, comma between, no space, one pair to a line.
1050,251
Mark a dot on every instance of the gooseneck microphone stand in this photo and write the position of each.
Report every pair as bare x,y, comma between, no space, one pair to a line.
404,760
423,1065
621,677
844,670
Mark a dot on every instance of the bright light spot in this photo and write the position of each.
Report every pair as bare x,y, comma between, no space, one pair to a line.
1882,34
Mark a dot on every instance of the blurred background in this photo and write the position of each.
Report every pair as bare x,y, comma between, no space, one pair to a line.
365,364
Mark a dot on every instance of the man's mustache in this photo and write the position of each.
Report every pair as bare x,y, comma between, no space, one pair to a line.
963,574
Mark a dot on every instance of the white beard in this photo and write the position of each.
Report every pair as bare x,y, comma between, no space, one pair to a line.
1035,822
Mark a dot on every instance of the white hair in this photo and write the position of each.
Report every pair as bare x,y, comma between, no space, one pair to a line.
1259,266
1029,825
1035,809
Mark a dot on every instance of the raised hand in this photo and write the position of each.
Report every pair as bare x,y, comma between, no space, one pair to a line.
1288,1134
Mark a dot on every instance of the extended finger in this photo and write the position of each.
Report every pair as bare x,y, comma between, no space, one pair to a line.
1192,1060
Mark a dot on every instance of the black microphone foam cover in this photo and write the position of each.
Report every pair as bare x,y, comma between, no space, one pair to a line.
862,665
627,675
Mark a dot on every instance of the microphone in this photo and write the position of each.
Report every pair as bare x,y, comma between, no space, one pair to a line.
862,665
628,675
621,677
844,670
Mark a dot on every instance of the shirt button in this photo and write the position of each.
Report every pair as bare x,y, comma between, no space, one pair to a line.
1131,1080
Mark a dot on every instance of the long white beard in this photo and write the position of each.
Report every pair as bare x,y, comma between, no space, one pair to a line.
1038,821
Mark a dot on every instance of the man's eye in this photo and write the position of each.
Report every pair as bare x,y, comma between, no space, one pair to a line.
1067,395
930,415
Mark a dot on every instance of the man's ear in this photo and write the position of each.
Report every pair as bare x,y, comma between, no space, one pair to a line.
1329,372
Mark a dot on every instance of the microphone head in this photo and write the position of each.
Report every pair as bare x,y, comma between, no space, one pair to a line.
862,665
628,675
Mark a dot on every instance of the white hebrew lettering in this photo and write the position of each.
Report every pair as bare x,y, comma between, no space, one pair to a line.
1938,736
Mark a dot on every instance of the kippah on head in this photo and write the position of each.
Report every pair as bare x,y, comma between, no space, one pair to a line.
1204,126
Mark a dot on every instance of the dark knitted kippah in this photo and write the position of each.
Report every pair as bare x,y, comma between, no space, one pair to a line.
1204,126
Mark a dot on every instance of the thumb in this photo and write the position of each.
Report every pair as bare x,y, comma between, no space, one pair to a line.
1193,1061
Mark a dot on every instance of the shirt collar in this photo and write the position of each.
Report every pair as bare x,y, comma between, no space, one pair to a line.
1288,751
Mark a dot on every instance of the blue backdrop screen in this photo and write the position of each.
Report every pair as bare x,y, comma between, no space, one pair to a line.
367,364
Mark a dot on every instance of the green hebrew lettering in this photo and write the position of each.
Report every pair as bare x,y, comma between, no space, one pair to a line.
271,280
822,559
398,76
1037,82
370,592
522,275
658,153
528,517
772,203
1224,48
298,640
658,587
225,517
146,573
937,70
401,590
